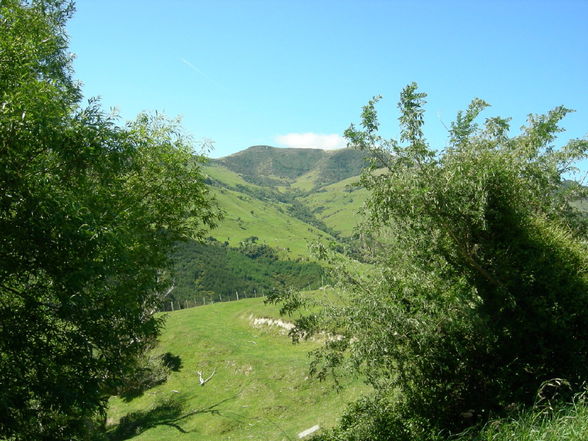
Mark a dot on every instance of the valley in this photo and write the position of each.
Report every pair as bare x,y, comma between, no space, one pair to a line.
276,202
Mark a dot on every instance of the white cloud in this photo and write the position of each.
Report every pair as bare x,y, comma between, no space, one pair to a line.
312,141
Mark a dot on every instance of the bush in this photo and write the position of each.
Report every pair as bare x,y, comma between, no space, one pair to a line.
481,291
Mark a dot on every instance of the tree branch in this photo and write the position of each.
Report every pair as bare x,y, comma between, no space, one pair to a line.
202,380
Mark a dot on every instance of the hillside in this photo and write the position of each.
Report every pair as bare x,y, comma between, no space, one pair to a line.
260,391
338,205
271,166
281,200
288,196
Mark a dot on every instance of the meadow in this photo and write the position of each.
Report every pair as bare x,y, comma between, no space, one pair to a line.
260,389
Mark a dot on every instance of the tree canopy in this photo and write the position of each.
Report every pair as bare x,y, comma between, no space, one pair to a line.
88,211
479,293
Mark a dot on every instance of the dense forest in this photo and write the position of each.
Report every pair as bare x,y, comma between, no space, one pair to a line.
213,271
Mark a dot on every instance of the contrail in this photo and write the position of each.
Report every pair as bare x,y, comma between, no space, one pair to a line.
202,74
194,68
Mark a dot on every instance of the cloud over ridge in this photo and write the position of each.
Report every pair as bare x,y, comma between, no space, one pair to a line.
312,141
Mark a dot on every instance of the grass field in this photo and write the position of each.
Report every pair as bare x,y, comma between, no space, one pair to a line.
338,205
247,216
261,389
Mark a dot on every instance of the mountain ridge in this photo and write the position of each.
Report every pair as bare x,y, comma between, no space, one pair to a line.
275,166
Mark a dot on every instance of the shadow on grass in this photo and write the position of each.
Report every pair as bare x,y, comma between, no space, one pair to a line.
153,372
169,412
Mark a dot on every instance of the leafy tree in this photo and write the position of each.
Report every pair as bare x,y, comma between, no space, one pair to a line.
480,291
88,212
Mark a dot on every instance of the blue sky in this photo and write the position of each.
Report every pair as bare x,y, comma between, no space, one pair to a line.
267,72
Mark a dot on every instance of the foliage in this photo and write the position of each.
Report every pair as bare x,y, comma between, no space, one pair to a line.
88,212
481,292
552,422
147,372
212,268
377,419
250,248
544,421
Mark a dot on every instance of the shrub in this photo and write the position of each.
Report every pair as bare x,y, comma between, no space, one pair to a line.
480,292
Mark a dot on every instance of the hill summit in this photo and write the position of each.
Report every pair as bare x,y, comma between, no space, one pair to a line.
266,165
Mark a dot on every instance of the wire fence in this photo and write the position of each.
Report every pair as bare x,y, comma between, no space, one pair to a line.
196,300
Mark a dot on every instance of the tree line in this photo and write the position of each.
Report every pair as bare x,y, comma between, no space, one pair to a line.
213,271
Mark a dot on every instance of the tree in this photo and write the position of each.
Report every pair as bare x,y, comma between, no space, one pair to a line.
479,293
88,212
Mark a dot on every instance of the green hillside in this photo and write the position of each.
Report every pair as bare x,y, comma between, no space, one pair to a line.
268,166
270,220
283,200
260,390
338,204
313,186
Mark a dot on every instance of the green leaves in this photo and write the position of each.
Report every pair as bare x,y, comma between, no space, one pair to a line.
480,292
89,211
411,118
464,126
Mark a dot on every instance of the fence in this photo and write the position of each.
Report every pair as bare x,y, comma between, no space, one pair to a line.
174,305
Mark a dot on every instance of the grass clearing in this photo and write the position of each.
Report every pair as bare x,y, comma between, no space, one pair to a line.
247,216
260,391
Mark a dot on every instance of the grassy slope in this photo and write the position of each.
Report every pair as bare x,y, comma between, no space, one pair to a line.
247,216
277,228
290,169
260,390
336,206
225,175
340,202
307,181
